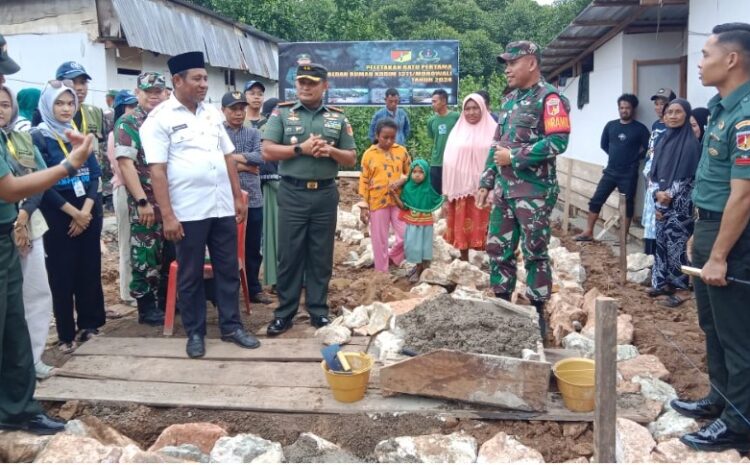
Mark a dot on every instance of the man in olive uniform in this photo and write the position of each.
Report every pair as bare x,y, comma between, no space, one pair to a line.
721,244
310,140
90,120
147,246
533,128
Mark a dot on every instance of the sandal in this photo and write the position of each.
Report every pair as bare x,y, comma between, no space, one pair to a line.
673,301
583,238
67,347
43,371
660,292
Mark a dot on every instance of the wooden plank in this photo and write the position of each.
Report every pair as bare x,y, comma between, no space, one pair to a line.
605,414
201,371
296,400
290,350
623,240
478,378
566,211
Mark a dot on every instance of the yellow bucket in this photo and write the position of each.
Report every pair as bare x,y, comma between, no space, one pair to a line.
350,387
575,378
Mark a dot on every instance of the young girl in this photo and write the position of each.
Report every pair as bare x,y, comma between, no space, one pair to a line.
418,200
383,166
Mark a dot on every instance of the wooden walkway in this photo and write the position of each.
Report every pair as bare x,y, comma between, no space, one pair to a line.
283,375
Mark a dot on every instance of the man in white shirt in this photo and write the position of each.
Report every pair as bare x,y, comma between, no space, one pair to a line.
196,185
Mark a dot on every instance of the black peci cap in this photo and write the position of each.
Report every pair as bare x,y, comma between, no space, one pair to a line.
186,61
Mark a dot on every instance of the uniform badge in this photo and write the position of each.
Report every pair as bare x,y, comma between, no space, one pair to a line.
349,129
721,124
556,119
743,140
713,152
293,140
742,124
553,106
292,116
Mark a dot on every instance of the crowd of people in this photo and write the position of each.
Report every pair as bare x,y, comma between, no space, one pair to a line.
181,176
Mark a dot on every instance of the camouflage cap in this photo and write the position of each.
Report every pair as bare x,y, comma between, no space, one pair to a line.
518,49
150,80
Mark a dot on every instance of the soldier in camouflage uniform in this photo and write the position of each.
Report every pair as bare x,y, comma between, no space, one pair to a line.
147,245
533,128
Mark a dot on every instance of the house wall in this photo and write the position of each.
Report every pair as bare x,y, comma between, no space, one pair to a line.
704,15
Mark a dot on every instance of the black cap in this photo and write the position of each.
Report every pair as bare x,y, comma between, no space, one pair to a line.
312,71
186,61
250,84
232,98
7,65
665,93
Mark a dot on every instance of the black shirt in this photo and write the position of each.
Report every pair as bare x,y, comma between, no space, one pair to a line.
626,145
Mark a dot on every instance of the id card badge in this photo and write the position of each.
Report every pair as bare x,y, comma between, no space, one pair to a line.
78,188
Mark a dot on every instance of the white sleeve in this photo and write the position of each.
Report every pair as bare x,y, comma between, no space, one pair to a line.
227,147
155,141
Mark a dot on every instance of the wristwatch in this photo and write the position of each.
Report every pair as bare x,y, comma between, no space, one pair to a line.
142,202
297,149
71,170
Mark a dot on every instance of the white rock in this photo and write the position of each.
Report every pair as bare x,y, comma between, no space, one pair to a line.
351,236
554,242
387,344
346,220
310,448
352,256
506,449
365,259
626,352
528,354
656,389
671,425
365,246
639,261
468,293
437,275
642,277
186,452
427,290
479,258
567,265
673,451
356,318
465,274
379,316
432,448
19,446
440,227
334,334
633,442
442,252
67,448
246,448
575,341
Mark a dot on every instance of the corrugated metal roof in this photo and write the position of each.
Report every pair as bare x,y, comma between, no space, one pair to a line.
172,28
601,18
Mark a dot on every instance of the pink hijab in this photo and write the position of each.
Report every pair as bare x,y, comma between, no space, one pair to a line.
466,152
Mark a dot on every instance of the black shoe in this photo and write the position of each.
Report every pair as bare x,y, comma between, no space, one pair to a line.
717,437
242,338
87,334
539,306
260,298
38,424
148,311
503,295
279,326
701,409
319,321
196,347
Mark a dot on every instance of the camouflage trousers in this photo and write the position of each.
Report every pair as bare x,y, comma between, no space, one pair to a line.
147,260
526,220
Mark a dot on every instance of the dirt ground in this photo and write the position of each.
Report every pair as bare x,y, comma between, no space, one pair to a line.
558,442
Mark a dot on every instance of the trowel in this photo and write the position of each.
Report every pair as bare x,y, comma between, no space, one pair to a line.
693,271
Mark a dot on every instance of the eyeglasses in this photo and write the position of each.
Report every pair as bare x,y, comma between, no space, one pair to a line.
55,83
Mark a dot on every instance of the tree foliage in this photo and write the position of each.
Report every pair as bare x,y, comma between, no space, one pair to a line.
482,27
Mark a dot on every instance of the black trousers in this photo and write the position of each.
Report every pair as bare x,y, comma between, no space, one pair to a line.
253,257
220,235
724,316
17,376
307,225
625,182
436,178
74,269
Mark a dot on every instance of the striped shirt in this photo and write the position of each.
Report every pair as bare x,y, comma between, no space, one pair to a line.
246,141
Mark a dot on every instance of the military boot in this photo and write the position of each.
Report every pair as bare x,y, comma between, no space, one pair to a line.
539,306
148,312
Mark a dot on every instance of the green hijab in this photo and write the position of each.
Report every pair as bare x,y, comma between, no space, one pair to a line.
28,100
421,197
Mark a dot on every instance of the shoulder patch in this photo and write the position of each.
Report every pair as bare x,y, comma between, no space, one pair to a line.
285,104
556,119
338,109
742,124
743,144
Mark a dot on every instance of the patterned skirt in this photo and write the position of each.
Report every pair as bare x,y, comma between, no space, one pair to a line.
467,224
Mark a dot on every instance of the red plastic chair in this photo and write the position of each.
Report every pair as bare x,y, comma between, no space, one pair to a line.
208,272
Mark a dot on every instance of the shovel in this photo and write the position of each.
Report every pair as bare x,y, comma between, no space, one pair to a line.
693,271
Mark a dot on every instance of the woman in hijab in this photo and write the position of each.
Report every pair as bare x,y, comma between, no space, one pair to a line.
28,100
698,121
73,211
23,158
463,163
675,161
269,182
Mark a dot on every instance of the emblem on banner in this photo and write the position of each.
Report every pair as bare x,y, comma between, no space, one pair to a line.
553,106
401,56
743,140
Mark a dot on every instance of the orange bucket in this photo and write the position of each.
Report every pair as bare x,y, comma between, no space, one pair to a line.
350,387
577,383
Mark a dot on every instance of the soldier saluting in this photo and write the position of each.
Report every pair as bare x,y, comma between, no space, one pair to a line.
533,128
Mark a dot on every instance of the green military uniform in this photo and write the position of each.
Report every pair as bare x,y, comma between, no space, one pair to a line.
722,311
307,200
17,375
90,120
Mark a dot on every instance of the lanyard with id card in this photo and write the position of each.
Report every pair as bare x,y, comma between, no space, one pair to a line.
78,188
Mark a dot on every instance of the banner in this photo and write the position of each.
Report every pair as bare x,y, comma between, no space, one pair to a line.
359,73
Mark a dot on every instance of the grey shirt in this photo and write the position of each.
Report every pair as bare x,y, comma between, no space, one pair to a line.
246,141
